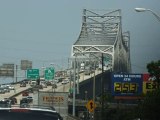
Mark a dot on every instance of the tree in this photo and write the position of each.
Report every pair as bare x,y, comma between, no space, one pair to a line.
154,70
150,107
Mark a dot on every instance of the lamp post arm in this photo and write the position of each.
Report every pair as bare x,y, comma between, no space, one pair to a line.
156,15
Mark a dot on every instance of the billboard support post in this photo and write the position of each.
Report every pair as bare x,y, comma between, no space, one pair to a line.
16,72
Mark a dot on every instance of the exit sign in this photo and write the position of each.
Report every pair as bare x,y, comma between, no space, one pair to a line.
32,73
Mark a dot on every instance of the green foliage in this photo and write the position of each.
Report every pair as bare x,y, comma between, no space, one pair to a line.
150,107
107,97
120,114
154,69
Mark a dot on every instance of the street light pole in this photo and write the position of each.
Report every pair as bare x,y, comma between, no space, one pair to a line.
77,77
16,72
74,87
94,87
102,90
144,9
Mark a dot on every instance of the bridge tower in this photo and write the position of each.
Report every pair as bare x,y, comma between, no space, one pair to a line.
101,33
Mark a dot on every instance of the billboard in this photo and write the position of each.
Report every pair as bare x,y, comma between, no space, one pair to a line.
7,70
59,100
126,84
26,64
149,83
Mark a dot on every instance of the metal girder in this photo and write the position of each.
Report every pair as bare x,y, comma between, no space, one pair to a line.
83,49
101,32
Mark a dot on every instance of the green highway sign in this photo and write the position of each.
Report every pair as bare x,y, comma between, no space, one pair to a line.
49,73
32,73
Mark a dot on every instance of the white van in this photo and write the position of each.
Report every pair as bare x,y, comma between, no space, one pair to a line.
33,83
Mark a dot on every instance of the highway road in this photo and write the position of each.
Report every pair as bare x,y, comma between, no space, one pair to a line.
18,89
60,87
66,87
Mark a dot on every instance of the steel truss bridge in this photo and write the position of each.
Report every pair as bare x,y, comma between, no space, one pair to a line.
101,33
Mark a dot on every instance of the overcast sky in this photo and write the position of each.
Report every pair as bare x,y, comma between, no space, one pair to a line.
43,31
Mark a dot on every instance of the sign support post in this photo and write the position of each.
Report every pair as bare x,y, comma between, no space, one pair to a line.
74,87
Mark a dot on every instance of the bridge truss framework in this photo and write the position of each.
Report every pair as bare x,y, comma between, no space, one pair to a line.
101,33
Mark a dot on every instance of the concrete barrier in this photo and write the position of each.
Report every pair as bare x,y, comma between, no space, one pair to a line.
70,117
18,93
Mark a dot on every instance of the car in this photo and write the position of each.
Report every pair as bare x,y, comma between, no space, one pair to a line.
11,87
30,99
22,84
49,83
24,105
25,81
25,93
55,80
60,80
6,89
13,100
65,81
44,85
87,72
5,103
2,91
30,90
29,114
24,102
54,85
38,87
33,83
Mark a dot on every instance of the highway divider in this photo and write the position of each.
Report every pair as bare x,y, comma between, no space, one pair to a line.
18,93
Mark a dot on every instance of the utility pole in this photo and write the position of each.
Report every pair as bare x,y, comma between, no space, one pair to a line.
70,81
74,87
102,92
94,89
16,72
77,77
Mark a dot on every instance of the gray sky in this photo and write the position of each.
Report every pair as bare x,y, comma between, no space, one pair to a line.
43,31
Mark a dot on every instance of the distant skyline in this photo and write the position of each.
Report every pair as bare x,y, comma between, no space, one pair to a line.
43,31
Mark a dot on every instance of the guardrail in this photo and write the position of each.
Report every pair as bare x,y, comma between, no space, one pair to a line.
18,93
70,117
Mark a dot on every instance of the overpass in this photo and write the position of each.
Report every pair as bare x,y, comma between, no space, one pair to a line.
17,90
86,86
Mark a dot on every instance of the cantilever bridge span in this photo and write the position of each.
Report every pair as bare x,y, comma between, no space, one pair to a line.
101,33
